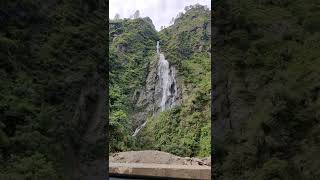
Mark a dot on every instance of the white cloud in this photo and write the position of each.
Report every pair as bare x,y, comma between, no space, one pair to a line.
160,11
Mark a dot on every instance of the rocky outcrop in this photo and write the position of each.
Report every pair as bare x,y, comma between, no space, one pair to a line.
147,19
117,28
147,100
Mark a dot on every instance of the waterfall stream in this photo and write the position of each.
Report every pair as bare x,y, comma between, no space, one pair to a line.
168,85
167,80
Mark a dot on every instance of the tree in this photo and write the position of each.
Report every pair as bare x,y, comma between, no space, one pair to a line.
179,15
117,17
172,20
136,14
187,8
198,6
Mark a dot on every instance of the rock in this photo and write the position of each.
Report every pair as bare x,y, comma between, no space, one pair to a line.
207,161
144,103
148,98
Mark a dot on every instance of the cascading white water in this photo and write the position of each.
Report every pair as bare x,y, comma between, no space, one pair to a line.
167,84
158,47
139,128
163,74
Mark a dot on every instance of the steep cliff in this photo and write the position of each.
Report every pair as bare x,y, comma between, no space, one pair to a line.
185,129
160,93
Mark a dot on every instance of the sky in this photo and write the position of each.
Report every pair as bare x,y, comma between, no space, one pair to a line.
160,11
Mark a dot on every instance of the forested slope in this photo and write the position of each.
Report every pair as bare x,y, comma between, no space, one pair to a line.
266,58
52,89
131,48
185,129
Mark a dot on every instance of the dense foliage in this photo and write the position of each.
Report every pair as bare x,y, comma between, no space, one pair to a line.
131,49
49,50
184,130
268,89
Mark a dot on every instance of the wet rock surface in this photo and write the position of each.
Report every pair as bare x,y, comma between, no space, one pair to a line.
148,99
145,98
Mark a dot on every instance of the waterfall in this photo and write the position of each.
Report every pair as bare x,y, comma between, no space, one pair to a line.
139,128
167,84
158,47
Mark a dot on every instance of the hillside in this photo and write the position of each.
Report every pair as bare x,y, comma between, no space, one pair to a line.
185,130
131,50
136,96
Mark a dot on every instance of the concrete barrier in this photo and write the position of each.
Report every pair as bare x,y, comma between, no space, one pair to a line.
195,172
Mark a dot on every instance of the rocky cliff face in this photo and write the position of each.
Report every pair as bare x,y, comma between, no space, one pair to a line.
148,99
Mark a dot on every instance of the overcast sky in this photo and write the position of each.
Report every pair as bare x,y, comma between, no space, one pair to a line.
160,11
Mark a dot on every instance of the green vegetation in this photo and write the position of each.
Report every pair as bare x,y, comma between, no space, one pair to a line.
268,72
131,49
184,130
189,35
49,52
